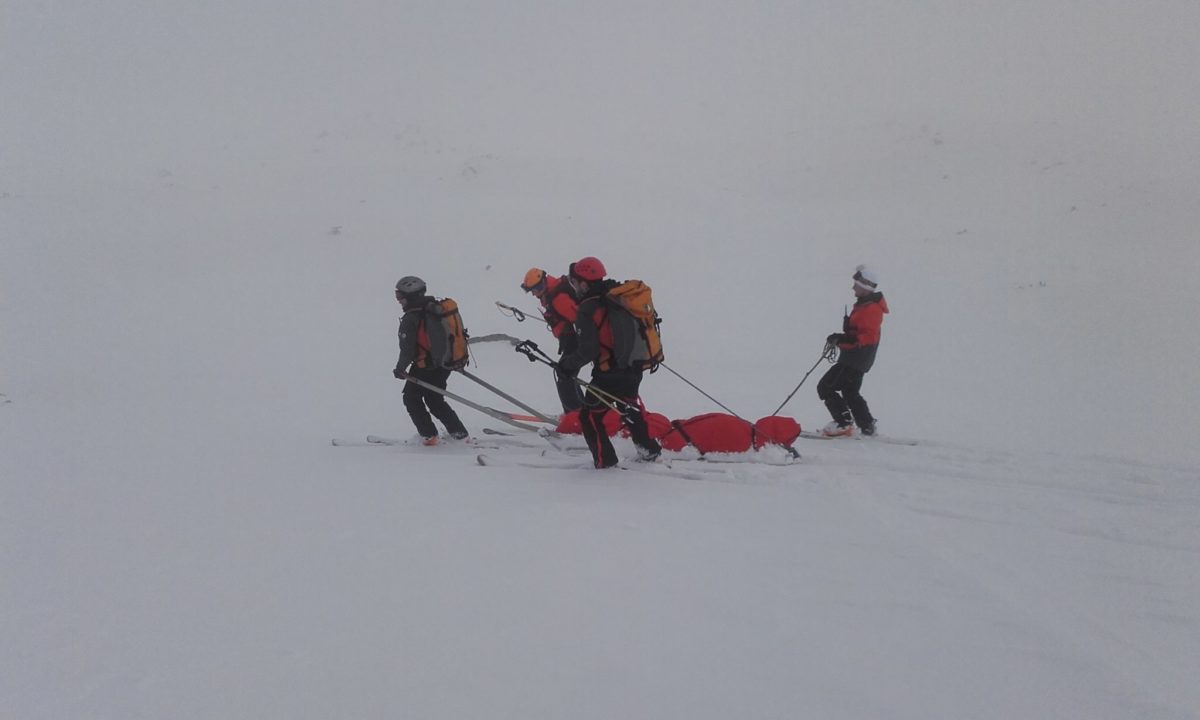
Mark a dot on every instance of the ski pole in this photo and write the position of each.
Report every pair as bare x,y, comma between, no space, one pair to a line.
528,348
829,353
619,405
501,416
607,399
710,397
531,350
540,417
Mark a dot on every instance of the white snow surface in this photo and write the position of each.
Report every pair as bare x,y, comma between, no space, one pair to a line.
204,208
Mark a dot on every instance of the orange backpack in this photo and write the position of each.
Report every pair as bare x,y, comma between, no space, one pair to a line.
447,336
637,341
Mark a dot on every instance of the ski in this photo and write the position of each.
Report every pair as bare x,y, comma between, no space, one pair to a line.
352,442
442,440
562,443
558,441
543,462
381,441
517,440
753,457
506,433
368,441
885,439
540,462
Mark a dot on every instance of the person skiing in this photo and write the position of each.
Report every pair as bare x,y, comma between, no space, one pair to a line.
858,343
559,311
593,326
415,362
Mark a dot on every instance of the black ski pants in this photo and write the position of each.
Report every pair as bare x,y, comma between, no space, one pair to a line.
839,388
623,384
420,402
569,392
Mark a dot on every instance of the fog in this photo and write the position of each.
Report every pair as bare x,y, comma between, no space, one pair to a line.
204,208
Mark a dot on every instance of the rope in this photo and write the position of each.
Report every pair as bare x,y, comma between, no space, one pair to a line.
710,397
828,354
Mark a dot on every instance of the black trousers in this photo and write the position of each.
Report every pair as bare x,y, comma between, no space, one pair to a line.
623,384
569,392
420,402
839,388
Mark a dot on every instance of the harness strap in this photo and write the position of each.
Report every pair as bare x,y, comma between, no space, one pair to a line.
687,438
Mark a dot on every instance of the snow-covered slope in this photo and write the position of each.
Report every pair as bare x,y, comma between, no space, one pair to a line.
203,211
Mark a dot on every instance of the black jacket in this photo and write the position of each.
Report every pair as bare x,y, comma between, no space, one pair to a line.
410,328
586,326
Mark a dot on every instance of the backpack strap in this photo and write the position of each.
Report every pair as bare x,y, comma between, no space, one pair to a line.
424,346
607,353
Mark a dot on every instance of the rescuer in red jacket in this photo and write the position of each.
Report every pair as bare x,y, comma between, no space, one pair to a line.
558,310
858,343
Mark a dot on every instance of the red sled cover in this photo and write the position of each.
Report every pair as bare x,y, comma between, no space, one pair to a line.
711,432
718,432
658,425
569,424
776,430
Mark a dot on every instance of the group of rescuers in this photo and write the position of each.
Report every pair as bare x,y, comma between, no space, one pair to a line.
574,310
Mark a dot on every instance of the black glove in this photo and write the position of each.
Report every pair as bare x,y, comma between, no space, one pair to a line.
834,339
399,374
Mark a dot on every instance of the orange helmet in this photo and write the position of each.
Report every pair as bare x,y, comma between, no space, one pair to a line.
589,269
535,279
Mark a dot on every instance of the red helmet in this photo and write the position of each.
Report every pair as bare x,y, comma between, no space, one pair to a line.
589,269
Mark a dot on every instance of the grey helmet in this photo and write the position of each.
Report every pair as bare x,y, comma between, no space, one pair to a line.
410,285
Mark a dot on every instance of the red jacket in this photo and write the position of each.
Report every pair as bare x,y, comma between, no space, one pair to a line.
559,309
861,331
